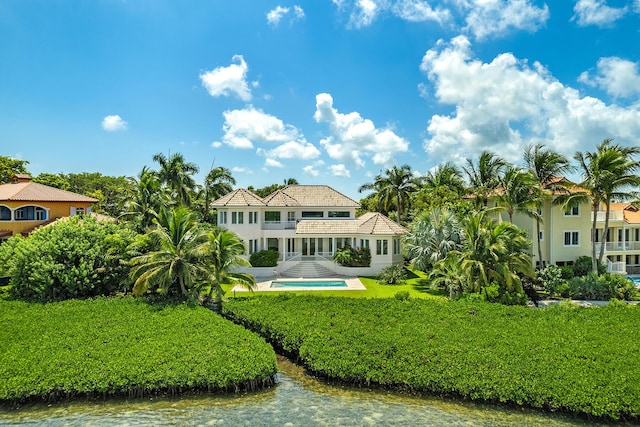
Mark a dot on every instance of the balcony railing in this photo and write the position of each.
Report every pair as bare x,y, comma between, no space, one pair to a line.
619,246
278,225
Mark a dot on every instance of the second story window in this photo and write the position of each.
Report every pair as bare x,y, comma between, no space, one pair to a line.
312,214
222,217
272,216
572,211
30,213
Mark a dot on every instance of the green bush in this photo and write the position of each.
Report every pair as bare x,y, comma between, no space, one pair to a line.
402,295
392,275
123,346
266,258
602,288
567,272
495,293
583,266
551,279
78,257
350,257
579,360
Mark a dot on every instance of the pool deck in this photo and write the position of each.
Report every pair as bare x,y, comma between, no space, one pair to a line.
353,284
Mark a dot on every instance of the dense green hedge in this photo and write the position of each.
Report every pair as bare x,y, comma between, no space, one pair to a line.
267,258
124,346
581,360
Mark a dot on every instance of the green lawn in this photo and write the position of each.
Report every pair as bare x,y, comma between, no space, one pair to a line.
416,284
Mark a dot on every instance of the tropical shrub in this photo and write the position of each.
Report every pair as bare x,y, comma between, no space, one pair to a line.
551,279
123,346
353,257
580,360
583,266
392,275
602,288
402,295
266,258
7,250
78,257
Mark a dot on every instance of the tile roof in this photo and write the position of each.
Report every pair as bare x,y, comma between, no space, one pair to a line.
371,223
630,212
309,196
34,192
239,197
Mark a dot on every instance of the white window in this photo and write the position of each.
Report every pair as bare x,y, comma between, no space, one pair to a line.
572,211
291,216
382,247
571,238
253,246
240,217
253,217
234,217
364,243
222,217
396,246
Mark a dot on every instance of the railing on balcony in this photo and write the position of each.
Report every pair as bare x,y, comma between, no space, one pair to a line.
613,216
278,225
619,246
619,267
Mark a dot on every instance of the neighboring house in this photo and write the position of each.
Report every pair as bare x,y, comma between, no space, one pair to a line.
565,234
309,223
26,205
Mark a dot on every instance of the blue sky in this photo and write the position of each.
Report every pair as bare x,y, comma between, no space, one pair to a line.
324,91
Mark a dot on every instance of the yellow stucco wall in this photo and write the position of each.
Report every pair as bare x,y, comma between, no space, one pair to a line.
54,210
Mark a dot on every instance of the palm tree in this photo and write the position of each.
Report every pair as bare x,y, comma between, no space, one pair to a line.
548,169
145,202
518,193
433,235
393,189
290,181
178,257
219,181
445,175
176,174
223,249
607,175
490,253
484,177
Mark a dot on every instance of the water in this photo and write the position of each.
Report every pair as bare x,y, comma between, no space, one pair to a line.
298,400
309,284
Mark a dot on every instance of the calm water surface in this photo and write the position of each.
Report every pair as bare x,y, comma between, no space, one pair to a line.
298,400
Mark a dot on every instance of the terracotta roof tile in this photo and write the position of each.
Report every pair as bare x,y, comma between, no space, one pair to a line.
372,223
34,192
239,197
309,196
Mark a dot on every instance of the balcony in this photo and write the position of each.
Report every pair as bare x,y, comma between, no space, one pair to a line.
619,246
278,225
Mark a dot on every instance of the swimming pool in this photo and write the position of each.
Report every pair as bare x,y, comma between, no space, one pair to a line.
634,279
308,284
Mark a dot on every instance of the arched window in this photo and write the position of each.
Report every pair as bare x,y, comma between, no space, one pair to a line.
5,213
30,213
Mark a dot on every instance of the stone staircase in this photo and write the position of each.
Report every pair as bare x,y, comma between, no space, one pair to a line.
308,269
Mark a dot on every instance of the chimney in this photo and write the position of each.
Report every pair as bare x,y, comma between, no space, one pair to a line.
21,177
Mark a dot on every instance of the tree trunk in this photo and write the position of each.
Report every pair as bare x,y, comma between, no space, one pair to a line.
594,260
540,262
605,231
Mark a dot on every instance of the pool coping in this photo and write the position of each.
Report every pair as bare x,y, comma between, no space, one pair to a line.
353,284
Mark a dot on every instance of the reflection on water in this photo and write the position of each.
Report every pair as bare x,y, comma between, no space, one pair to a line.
298,400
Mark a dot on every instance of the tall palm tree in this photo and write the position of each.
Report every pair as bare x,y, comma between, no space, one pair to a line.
178,257
433,234
517,193
484,176
223,249
394,188
218,182
548,169
490,253
145,202
608,174
177,175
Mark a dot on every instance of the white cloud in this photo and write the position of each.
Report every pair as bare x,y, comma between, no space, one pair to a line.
227,81
272,163
276,15
482,18
340,170
505,104
114,123
352,136
496,17
618,77
420,11
240,169
311,170
216,144
247,126
596,12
